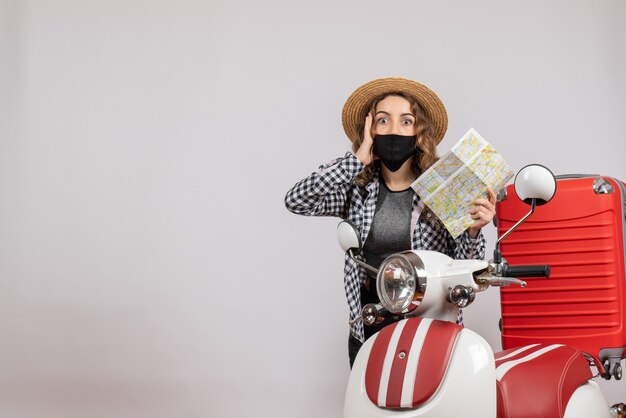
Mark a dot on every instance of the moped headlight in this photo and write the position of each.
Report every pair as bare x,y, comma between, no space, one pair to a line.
401,280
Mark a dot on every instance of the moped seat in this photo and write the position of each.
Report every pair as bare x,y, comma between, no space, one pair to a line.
538,380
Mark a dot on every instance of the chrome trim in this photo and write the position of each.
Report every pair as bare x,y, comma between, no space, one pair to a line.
361,263
533,205
503,281
418,273
601,186
371,314
355,320
365,265
618,410
461,296
611,361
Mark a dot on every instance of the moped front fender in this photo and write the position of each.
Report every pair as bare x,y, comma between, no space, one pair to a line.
468,387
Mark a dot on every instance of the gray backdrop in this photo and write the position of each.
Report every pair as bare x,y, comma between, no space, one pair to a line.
148,267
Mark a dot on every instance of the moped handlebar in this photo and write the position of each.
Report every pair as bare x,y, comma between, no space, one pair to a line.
527,271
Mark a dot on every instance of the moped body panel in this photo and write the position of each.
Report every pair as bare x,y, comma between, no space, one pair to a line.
444,273
588,401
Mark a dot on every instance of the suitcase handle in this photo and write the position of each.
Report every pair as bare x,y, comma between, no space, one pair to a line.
542,270
575,176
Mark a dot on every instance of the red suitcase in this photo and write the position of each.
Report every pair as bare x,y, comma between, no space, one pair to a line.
580,233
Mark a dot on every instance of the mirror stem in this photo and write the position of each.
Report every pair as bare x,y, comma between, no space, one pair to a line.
496,253
360,263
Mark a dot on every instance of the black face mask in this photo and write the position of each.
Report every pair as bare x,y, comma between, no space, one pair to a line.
393,150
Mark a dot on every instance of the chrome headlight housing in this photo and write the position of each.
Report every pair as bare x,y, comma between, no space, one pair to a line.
401,280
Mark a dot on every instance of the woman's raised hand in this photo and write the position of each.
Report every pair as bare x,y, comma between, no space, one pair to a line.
483,212
364,153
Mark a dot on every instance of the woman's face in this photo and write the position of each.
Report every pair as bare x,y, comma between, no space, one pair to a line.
394,116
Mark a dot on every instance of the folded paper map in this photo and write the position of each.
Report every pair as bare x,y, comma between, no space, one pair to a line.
462,175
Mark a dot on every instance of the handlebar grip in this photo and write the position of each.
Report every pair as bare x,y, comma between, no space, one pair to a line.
527,271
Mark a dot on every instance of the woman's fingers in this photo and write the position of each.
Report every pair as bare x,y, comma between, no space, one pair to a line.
367,129
476,213
482,212
489,204
364,153
484,203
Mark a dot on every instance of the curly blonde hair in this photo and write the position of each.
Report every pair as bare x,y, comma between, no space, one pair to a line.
425,142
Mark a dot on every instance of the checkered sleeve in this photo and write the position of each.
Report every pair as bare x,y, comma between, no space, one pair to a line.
467,248
326,191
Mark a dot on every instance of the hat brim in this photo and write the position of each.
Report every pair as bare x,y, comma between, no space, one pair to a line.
358,104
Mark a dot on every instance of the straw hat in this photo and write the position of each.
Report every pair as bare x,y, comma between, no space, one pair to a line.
358,104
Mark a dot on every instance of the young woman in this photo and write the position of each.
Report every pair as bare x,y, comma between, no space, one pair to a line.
394,125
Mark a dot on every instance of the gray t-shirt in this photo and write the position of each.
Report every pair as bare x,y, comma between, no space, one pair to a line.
391,227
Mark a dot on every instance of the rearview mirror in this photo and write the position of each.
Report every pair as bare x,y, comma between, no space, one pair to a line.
534,185
535,182
348,237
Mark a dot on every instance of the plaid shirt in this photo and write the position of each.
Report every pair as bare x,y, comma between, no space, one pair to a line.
331,191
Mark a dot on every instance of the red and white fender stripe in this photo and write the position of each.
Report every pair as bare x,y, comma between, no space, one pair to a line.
389,357
408,385
500,357
408,361
504,367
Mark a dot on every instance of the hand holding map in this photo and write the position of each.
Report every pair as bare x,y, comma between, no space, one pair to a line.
462,175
